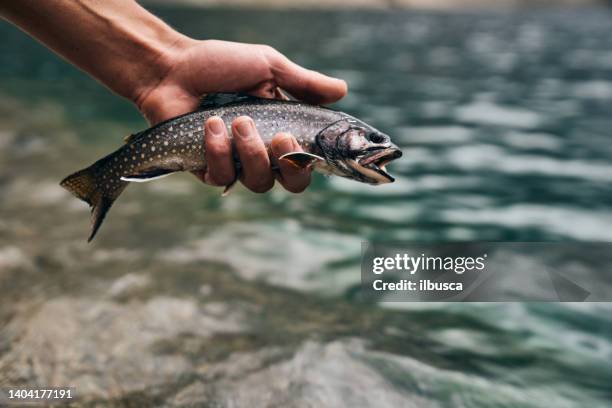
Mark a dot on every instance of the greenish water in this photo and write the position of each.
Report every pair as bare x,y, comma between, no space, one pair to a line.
189,298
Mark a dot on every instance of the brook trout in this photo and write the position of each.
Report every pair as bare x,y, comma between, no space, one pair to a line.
333,143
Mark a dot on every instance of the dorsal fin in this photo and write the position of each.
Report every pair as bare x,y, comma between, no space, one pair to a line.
216,100
132,137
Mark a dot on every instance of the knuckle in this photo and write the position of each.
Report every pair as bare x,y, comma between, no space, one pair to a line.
257,153
253,152
272,56
268,49
219,149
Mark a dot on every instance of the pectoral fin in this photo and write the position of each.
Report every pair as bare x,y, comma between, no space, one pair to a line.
145,176
301,160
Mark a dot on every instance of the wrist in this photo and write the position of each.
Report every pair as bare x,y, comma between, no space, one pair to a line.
162,48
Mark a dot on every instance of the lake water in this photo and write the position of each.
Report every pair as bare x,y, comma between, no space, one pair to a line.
189,298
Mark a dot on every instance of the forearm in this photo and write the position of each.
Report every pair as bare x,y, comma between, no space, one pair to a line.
118,42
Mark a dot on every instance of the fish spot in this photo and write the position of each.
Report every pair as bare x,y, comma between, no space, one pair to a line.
152,148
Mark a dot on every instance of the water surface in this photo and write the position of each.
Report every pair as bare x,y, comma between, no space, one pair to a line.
189,298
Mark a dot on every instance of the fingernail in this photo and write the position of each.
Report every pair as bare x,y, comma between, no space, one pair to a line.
216,126
244,128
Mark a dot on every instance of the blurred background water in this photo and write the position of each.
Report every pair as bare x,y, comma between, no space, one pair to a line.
189,298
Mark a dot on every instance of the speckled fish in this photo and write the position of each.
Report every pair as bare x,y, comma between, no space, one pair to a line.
332,142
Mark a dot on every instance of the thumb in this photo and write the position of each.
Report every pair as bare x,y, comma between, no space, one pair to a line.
307,85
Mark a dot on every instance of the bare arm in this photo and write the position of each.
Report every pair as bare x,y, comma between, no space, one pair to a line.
116,41
165,73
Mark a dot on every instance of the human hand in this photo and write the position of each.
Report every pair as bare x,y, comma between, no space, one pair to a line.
200,67
256,171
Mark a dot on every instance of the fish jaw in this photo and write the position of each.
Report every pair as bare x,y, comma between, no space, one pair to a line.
373,165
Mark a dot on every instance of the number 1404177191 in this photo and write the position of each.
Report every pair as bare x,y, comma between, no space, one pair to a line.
34,394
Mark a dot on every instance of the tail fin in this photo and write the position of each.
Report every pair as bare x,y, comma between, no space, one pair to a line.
87,186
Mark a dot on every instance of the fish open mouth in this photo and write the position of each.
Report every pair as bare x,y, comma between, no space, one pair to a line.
373,164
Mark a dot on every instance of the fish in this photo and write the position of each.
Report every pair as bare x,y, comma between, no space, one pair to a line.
333,143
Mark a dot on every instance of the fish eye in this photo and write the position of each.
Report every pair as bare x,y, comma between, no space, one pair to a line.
376,138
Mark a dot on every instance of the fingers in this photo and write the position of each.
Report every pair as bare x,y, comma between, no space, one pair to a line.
256,172
293,179
218,152
304,84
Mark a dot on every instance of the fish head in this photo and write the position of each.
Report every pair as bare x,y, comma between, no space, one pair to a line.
355,150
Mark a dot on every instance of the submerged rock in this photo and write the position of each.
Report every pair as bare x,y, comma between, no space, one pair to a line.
105,349
163,349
